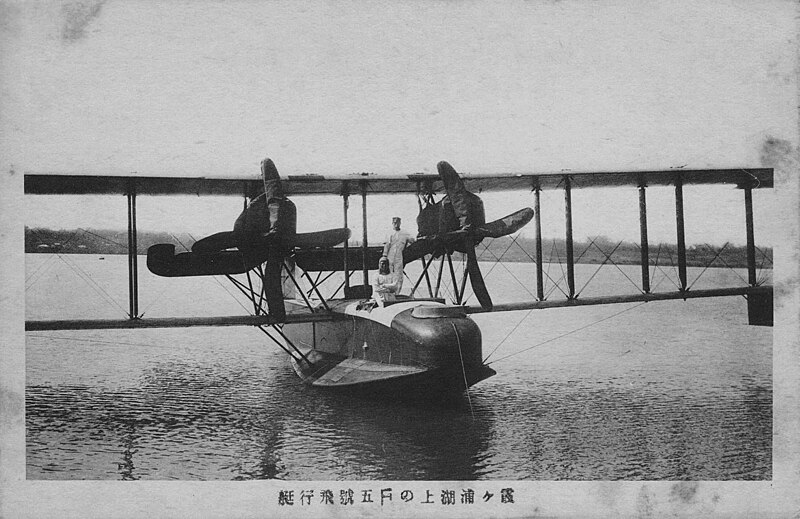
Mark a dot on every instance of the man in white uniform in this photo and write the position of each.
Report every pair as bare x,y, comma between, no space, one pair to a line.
385,284
393,250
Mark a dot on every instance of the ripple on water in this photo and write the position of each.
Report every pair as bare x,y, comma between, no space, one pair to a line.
632,399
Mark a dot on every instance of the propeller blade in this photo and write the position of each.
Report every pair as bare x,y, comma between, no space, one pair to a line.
272,285
475,276
422,247
466,207
321,239
450,178
507,225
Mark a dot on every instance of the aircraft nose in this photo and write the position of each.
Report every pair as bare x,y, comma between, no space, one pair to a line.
448,338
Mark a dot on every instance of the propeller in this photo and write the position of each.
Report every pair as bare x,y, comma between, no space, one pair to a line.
461,227
467,210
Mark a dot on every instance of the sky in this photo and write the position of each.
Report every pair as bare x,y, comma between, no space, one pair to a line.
206,88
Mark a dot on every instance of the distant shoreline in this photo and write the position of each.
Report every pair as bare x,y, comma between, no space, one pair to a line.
108,242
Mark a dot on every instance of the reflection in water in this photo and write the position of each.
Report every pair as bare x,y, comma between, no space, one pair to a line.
126,468
385,440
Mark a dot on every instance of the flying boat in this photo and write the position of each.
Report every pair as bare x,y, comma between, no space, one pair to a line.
415,344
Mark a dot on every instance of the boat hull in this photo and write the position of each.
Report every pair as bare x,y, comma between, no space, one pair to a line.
407,350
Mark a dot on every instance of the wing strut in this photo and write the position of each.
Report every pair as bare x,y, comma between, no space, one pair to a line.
645,249
568,223
345,207
133,273
364,246
759,306
751,241
539,272
681,233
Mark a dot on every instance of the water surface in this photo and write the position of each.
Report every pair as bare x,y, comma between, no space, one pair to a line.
668,390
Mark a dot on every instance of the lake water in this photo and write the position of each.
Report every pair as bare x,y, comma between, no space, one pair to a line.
677,390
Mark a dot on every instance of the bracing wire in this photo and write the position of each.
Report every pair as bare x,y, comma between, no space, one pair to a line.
717,255
729,267
672,263
118,244
92,283
508,334
499,262
157,298
40,271
605,261
556,284
49,261
464,371
569,333
655,265
220,283
98,341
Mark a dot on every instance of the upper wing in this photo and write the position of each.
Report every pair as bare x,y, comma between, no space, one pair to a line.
36,183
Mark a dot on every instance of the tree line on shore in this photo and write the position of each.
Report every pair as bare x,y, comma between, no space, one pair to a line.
593,251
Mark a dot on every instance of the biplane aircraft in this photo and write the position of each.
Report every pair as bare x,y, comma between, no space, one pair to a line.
410,345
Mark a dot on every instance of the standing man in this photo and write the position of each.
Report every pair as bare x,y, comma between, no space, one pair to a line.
393,250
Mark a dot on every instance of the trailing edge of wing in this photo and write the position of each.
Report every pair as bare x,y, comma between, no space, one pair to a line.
41,184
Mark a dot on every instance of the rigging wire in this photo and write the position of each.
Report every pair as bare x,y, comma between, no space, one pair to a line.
561,265
762,272
523,285
497,259
502,264
672,263
764,257
657,268
28,334
606,260
49,260
89,280
157,298
618,267
732,269
575,261
508,334
549,264
709,263
464,371
655,265
663,278
217,279
556,284
242,288
33,278
121,245
569,333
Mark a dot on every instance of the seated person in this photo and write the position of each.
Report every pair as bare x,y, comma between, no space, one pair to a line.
385,286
